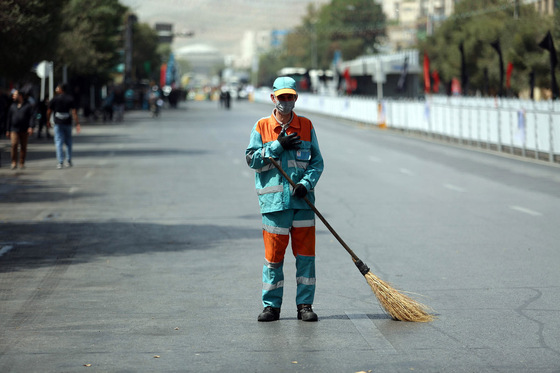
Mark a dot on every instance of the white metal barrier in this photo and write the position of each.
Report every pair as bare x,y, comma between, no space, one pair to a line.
522,127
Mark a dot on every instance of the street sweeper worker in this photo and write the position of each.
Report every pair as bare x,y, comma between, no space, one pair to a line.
289,139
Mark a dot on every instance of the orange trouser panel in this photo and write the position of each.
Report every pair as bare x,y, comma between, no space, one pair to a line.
275,246
303,241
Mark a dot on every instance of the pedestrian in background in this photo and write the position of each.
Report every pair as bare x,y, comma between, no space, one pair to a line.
19,126
118,102
291,140
5,102
108,106
41,118
64,109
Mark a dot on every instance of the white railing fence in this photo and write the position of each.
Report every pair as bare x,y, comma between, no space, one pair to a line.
522,127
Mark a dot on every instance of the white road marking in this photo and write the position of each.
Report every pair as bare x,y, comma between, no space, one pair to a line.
42,215
525,210
406,171
454,188
73,190
5,249
370,333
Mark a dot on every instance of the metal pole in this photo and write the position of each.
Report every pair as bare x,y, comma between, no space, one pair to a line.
488,128
430,113
450,121
550,130
499,126
468,134
92,99
511,130
524,133
42,88
536,132
379,76
51,83
461,140
313,46
478,125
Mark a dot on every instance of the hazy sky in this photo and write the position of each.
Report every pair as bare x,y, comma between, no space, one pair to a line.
221,23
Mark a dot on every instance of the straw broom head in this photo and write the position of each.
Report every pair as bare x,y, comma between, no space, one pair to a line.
398,306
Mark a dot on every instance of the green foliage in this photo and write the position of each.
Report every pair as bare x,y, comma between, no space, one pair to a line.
91,36
477,24
145,58
28,35
87,36
356,24
163,51
269,64
355,27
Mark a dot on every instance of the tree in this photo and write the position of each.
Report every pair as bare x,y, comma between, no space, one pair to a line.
301,45
269,64
526,55
355,27
24,40
477,24
91,37
145,52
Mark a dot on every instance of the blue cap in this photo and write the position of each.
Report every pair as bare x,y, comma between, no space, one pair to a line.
284,85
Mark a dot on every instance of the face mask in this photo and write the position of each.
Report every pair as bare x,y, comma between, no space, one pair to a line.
285,107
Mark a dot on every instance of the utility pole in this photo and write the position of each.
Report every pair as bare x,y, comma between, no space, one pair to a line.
429,18
130,21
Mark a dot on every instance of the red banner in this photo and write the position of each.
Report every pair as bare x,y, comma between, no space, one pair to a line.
427,83
508,74
351,83
162,74
435,77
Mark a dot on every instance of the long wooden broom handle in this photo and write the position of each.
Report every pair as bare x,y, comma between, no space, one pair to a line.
354,256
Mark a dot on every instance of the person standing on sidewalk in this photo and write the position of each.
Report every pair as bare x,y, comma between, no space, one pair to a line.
19,126
118,102
64,109
291,140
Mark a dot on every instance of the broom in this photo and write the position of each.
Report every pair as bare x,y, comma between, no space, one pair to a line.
399,306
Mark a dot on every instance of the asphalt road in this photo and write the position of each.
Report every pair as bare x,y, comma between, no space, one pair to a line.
146,256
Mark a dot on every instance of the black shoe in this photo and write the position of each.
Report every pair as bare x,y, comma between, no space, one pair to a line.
305,313
269,314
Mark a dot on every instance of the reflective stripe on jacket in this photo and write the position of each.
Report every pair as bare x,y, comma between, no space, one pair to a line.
303,166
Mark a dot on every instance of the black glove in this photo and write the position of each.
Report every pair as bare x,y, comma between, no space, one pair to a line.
289,142
300,191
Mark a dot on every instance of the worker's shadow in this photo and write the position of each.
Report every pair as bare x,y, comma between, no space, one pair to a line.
371,316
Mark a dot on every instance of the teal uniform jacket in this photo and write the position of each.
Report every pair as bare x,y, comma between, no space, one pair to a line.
304,165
